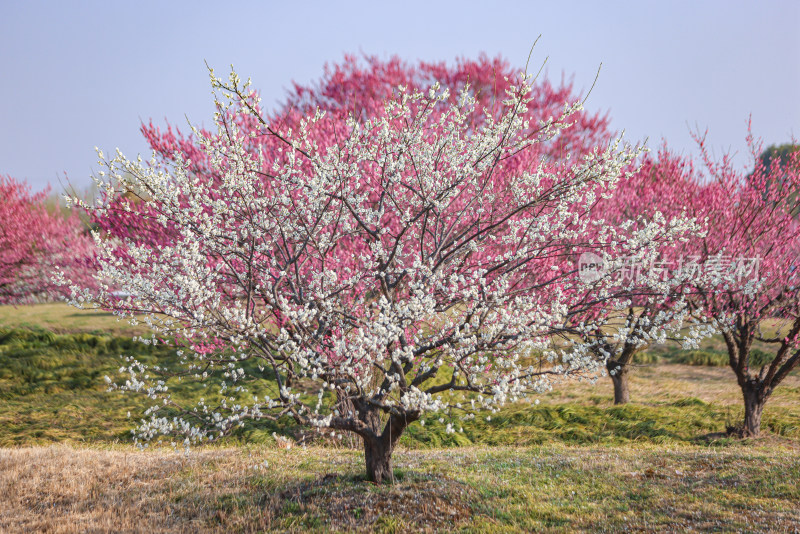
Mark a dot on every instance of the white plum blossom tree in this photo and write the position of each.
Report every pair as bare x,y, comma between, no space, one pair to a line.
368,270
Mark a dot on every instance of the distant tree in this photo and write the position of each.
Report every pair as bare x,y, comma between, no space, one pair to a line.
654,283
737,276
782,154
779,159
33,242
753,232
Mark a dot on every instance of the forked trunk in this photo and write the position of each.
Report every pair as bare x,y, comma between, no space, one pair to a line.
753,408
378,456
379,445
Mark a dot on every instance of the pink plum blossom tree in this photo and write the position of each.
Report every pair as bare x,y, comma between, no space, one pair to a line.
33,242
754,234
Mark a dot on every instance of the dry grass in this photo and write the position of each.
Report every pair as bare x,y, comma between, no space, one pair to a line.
554,489
61,318
654,384
61,489
58,489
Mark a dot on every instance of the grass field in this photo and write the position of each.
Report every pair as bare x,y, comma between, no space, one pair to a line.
551,488
574,462
61,318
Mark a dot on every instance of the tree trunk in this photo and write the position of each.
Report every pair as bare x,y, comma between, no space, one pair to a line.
378,456
379,445
619,376
753,408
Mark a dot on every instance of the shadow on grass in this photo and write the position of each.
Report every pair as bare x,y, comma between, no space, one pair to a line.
349,502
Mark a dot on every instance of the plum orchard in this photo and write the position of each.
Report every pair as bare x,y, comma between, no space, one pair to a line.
741,271
371,269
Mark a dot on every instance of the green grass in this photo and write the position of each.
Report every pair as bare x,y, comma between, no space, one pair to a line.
685,421
52,387
52,390
710,357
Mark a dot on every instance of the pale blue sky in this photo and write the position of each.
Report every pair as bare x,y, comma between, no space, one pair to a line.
78,74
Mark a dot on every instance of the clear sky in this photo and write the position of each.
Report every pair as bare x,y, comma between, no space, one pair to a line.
75,75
